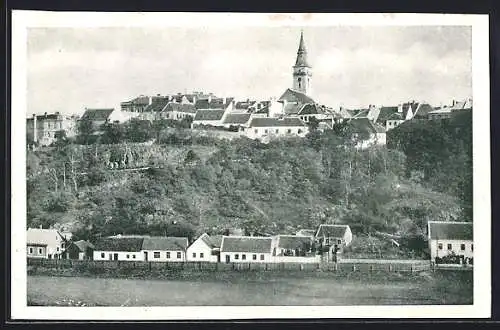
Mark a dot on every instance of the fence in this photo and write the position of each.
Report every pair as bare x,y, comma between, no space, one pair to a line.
389,266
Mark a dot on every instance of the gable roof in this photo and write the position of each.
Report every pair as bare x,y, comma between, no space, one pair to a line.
125,244
212,241
364,125
214,104
451,230
243,105
164,243
246,244
97,114
293,242
209,115
43,236
292,108
306,232
237,118
263,110
82,245
179,107
157,104
291,95
386,113
276,122
423,110
311,109
140,100
331,230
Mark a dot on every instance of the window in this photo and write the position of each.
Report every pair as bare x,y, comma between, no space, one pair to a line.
128,256
472,247
39,251
201,255
462,247
156,255
261,257
449,246
57,249
254,257
440,246
256,131
265,131
236,256
62,245
168,255
277,131
194,255
299,131
178,255
102,255
31,250
243,257
289,131
327,241
133,256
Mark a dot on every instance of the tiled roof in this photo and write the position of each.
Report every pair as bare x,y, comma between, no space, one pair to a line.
246,244
83,245
311,109
212,241
97,114
364,125
263,110
276,122
292,108
43,236
423,110
244,105
125,244
157,105
293,242
306,232
361,113
451,230
442,110
165,243
331,230
291,95
188,108
237,118
209,114
385,114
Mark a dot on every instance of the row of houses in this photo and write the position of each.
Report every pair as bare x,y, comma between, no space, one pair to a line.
445,239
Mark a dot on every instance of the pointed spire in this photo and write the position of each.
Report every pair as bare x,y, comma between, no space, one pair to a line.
302,52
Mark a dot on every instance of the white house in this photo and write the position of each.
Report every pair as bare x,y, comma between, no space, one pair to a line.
246,249
205,248
164,249
178,111
237,120
209,118
122,248
451,238
269,128
333,238
367,132
293,248
44,243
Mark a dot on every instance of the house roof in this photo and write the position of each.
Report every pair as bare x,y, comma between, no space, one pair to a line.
292,108
243,105
451,230
306,232
97,114
165,243
214,104
124,243
140,100
237,118
212,241
366,126
246,244
442,110
189,108
157,104
43,236
293,242
83,245
291,95
276,122
386,113
263,110
331,230
311,109
209,114
423,110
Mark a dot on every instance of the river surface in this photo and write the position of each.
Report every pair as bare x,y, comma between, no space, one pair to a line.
280,291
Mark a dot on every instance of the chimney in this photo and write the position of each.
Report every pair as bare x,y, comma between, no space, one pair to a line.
400,108
210,98
194,99
150,100
45,114
224,100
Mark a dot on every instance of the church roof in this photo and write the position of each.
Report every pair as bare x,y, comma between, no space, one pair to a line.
291,95
302,53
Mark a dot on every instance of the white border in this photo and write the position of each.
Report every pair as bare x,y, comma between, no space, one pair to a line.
21,20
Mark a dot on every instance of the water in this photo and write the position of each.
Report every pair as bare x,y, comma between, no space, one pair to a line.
239,291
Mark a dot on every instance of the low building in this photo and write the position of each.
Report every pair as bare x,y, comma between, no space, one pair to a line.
332,239
205,248
448,239
165,249
138,104
246,249
237,120
44,243
270,128
178,111
79,250
213,118
97,117
42,129
367,133
293,248
119,248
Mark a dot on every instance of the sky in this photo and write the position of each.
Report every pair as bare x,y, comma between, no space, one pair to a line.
70,69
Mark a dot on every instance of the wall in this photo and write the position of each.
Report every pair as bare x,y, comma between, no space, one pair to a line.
200,247
299,260
433,246
274,132
139,256
163,256
390,124
249,257
38,251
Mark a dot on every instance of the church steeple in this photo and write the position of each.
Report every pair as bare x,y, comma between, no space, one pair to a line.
302,71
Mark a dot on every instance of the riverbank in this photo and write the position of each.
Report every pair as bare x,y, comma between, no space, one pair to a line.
253,288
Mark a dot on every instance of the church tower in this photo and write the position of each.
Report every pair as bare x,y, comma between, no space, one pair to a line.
302,71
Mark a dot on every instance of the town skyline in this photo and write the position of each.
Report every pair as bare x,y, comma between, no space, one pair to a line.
70,69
